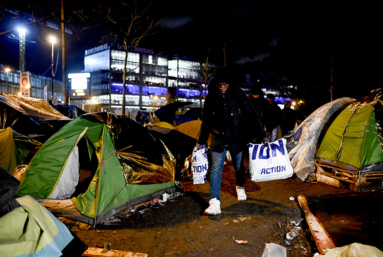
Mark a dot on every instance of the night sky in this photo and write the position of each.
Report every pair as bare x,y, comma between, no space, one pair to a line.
287,41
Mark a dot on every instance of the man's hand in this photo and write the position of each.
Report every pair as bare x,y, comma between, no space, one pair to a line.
266,140
198,146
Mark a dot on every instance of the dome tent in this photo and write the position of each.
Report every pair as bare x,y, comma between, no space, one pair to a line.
124,160
353,141
307,137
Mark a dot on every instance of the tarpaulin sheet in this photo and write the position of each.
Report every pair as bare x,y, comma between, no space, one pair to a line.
31,230
303,155
30,116
70,111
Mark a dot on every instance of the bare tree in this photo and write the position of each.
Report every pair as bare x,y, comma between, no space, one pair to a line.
127,22
205,70
131,32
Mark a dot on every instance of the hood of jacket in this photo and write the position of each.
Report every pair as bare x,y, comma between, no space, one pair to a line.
223,75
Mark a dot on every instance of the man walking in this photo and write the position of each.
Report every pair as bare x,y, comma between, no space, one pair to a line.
231,119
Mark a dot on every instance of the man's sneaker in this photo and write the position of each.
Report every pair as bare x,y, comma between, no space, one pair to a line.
241,195
214,208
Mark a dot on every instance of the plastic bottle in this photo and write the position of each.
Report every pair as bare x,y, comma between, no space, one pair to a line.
293,233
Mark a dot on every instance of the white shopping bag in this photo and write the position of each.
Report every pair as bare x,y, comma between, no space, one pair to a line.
200,164
269,162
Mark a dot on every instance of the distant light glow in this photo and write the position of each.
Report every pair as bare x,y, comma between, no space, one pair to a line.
78,75
52,39
7,70
79,83
22,31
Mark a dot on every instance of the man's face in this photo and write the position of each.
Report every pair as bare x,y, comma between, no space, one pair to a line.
223,87
287,104
271,100
255,95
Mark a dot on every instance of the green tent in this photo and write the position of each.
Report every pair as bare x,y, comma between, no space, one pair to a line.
109,188
352,141
15,149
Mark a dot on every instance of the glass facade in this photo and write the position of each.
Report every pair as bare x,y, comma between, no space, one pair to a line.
97,61
100,82
186,69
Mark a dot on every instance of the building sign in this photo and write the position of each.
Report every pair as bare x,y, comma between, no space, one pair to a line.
136,49
96,49
79,81
25,84
79,85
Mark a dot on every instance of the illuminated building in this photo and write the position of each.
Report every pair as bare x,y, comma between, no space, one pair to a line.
150,79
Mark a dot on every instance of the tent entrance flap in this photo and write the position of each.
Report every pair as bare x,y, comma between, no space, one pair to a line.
78,171
88,165
69,176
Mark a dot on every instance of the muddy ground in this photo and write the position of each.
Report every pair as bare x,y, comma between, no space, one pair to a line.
179,228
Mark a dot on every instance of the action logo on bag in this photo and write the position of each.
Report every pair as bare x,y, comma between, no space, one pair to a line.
269,162
200,165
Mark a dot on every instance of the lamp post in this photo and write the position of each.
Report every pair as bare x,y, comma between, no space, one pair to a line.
53,41
7,70
22,32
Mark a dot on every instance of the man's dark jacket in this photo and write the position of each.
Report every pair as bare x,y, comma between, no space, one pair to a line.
274,117
230,118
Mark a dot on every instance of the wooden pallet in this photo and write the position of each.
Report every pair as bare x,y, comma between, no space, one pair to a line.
337,173
333,176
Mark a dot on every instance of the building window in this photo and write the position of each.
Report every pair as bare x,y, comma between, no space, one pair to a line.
118,57
155,80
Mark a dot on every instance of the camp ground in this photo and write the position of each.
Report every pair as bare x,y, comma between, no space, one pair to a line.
104,163
108,172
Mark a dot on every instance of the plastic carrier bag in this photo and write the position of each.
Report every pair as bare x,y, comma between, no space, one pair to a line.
200,164
269,162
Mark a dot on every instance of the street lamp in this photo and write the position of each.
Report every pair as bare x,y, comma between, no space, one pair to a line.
53,41
7,70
